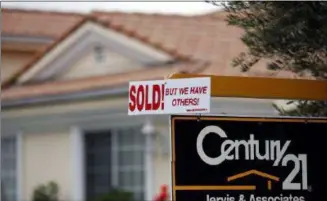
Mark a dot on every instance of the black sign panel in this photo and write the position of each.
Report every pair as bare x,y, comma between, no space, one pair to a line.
248,159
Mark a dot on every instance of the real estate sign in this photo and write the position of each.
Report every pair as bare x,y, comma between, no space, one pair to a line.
248,159
176,96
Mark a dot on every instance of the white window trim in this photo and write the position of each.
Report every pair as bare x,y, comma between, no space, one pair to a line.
77,165
149,160
19,165
149,168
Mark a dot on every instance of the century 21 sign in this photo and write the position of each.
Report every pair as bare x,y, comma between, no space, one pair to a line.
274,150
248,159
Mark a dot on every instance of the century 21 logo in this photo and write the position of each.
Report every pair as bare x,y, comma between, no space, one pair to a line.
273,152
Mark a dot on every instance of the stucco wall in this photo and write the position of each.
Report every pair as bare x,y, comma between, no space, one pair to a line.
12,61
46,157
162,171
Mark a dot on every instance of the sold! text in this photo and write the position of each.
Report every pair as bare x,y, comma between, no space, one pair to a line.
169,96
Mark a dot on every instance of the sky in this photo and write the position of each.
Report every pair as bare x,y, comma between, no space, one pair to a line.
181,8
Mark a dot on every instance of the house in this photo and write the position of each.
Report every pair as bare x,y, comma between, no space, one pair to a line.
64,80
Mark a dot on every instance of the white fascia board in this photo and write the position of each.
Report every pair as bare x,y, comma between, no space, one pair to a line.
76,37
26,39
55,52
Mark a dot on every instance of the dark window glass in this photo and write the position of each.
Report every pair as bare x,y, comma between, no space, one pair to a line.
98,164
8,168
115,160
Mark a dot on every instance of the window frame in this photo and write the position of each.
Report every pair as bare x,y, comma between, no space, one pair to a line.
116,149
13,172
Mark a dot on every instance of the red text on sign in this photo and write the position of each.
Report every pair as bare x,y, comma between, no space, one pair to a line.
198,90
171,91
139,97
183,91
185,101
186,91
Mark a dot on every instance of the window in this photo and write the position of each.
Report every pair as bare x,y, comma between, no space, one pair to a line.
115,159
99,54
8,168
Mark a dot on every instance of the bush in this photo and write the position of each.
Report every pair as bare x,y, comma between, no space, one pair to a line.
116,195
46,192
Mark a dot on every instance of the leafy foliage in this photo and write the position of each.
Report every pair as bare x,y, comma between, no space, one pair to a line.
46,192
292,36
116,195
305,108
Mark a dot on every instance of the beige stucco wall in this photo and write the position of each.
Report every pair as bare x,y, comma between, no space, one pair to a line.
12,61
89,66
162,170
46,157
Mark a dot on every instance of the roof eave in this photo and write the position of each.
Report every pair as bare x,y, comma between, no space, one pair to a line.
26,39
59,98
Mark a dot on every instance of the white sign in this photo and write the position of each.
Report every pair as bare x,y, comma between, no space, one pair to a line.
176,96
191,95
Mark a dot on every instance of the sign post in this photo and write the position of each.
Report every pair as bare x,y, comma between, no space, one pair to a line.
248,159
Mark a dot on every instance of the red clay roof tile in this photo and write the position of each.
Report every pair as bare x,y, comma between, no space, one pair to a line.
37,23
39,55
206,38
119,28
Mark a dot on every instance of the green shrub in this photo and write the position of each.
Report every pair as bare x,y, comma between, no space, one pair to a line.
46,192
115,195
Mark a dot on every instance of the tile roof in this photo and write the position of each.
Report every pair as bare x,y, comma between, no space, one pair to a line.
37,23
204,37
176,55
99,82
207,37
197,38
6,83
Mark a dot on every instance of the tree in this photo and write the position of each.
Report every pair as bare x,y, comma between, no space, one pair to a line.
291,35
